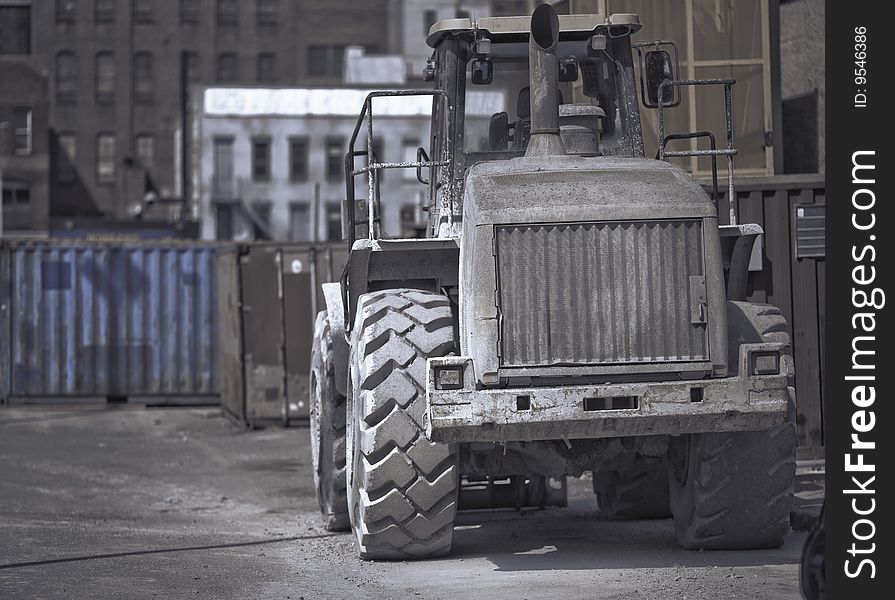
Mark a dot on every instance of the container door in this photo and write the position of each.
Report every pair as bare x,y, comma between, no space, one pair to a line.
300,308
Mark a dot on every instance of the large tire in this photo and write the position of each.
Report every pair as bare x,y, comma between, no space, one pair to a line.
734,491
640,492
327,431
402,488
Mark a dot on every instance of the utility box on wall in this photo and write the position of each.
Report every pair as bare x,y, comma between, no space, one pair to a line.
268,297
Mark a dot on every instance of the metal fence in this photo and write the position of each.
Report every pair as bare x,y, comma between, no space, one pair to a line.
790,208
83,319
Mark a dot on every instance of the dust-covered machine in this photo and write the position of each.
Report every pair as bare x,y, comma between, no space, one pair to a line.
574,307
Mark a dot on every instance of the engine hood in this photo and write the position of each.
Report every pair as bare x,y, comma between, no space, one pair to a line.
574,189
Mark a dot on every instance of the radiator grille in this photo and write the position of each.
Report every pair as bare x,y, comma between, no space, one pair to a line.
599,293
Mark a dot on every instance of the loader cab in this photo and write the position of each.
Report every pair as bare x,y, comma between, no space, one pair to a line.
483,68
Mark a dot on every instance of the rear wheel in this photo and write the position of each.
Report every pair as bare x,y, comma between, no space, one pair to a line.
734,491
402,487
327,431
640,492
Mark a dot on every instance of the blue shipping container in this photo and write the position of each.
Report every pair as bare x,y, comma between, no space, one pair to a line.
106,319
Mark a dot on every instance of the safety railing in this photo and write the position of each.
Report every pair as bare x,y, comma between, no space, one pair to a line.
714,152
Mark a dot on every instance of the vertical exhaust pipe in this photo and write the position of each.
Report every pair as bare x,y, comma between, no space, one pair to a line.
543,71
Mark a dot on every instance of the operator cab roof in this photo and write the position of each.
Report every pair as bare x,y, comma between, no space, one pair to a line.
514,26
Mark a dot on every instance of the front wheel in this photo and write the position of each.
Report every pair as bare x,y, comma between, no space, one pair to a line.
402,487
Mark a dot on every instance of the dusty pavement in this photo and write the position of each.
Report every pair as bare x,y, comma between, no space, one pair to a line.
176,503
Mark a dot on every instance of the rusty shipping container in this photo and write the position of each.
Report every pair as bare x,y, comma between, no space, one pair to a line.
114,320
268,295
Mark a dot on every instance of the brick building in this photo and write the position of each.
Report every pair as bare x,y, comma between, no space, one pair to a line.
118,70
24,154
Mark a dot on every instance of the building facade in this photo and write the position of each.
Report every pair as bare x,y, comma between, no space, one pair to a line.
119,71
270,162
24,152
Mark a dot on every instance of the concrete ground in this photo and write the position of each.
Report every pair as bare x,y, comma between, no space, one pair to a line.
177,503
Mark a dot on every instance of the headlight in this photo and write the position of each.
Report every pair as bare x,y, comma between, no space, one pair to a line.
449,378
765,363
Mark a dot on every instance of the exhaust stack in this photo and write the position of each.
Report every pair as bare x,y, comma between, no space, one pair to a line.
543,71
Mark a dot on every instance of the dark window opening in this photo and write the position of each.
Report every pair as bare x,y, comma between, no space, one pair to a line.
261,208
16,206
334,221
267,12
189,11
227,68
22,138
104,11
326,61
143,11
335,158
223,222
266,68
298,159
15,29
65,10
105,77
228,12
105,158
299,222
66,77
144,80
261,159
65,157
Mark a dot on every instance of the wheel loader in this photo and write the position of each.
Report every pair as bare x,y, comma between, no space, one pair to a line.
574,306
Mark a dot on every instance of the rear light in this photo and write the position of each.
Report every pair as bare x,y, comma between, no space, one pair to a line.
449,378
765,363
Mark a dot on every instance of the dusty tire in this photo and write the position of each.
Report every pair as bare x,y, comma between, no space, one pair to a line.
402,488
640,492
734,491
327,431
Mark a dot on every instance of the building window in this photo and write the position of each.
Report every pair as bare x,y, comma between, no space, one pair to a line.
191,66
326,61
16,205
65,10
298,159
429,18
105,77
228,12
261,222
21,130
66,77
66,156
261,158
227,69
144,149
222,176
105,158
223,222
144,81
299,222
334,221
335,158
267,12
143,11
266,68
189,11
104,11
15,29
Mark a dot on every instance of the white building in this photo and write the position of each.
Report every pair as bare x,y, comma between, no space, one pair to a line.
279,153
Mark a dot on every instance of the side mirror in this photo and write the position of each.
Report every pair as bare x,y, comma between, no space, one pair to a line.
657,66
482,71
568,70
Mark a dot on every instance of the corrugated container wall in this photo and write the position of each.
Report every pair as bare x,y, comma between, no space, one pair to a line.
96,319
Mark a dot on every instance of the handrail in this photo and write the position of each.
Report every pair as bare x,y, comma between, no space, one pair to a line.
729,152
373,167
